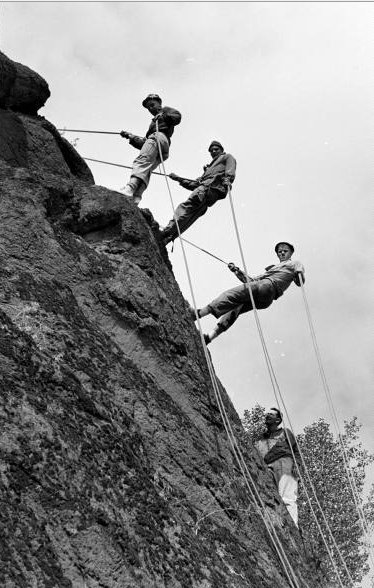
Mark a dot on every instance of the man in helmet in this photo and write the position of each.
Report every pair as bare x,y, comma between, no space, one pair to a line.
211,186
265,288
165,118
280,452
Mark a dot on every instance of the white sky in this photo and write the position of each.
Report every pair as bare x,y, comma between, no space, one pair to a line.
288,89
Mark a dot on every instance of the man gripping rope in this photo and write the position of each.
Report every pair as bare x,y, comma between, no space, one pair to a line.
280,452
213,185
265,288
165,118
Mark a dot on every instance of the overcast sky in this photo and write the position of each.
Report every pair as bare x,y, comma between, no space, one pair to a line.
288,89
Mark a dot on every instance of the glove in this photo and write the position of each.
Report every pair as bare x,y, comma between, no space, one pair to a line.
232,267
300,277
295,472
226,182
174,177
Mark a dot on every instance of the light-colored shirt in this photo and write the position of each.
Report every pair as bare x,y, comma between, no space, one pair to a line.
283,274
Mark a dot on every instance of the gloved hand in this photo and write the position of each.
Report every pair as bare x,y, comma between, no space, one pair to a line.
226,182
174,176
300,277
294,471
232,267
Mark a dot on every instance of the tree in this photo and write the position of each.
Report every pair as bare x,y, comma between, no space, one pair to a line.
325,463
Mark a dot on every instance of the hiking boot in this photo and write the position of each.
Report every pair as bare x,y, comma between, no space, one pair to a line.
192,313
128,191
166,238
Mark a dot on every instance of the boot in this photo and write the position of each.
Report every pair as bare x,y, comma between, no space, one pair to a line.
131,188
192,314
139,191
128,191
166,237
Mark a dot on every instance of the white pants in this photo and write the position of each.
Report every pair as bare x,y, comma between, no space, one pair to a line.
287,484
149,157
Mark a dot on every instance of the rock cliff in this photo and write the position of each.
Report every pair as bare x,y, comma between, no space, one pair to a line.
115,467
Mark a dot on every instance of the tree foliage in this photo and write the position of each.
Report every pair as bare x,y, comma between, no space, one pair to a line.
325,463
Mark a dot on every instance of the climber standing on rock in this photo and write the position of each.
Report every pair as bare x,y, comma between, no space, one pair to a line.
265,288
280,452
213,185
164,120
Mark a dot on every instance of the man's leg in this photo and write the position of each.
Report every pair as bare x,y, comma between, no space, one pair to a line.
227,301
186,214
230,304
225,322
287,485
144,164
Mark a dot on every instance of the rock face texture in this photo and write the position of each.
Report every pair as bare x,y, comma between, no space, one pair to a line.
115,468
21,88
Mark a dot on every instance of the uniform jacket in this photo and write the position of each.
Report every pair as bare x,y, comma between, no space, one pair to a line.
223,166
166,122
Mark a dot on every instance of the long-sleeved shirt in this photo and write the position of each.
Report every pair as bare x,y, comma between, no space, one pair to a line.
280,275
170,118
222,166
276,445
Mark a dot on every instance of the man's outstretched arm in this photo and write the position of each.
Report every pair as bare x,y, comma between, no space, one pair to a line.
185,182
239,274
299,274
134,140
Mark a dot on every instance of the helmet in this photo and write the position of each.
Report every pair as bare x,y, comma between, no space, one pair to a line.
151,97
215,144
284,243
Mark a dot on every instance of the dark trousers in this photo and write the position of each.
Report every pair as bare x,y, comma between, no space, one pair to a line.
195,206
230,304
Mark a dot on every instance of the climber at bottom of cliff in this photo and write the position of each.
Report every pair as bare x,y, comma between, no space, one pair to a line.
279,450
265,288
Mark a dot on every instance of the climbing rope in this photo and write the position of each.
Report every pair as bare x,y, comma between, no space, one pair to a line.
302,458
330,403
236,450
205,251
116,164
279,399
304,465
267,357
85,131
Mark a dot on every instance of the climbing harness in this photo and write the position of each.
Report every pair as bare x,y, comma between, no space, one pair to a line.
292,578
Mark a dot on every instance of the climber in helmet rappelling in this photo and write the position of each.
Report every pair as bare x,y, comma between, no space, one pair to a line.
158,135
211,186
265,288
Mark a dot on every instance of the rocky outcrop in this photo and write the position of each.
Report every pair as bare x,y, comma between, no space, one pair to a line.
21,88
115,467
26,139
